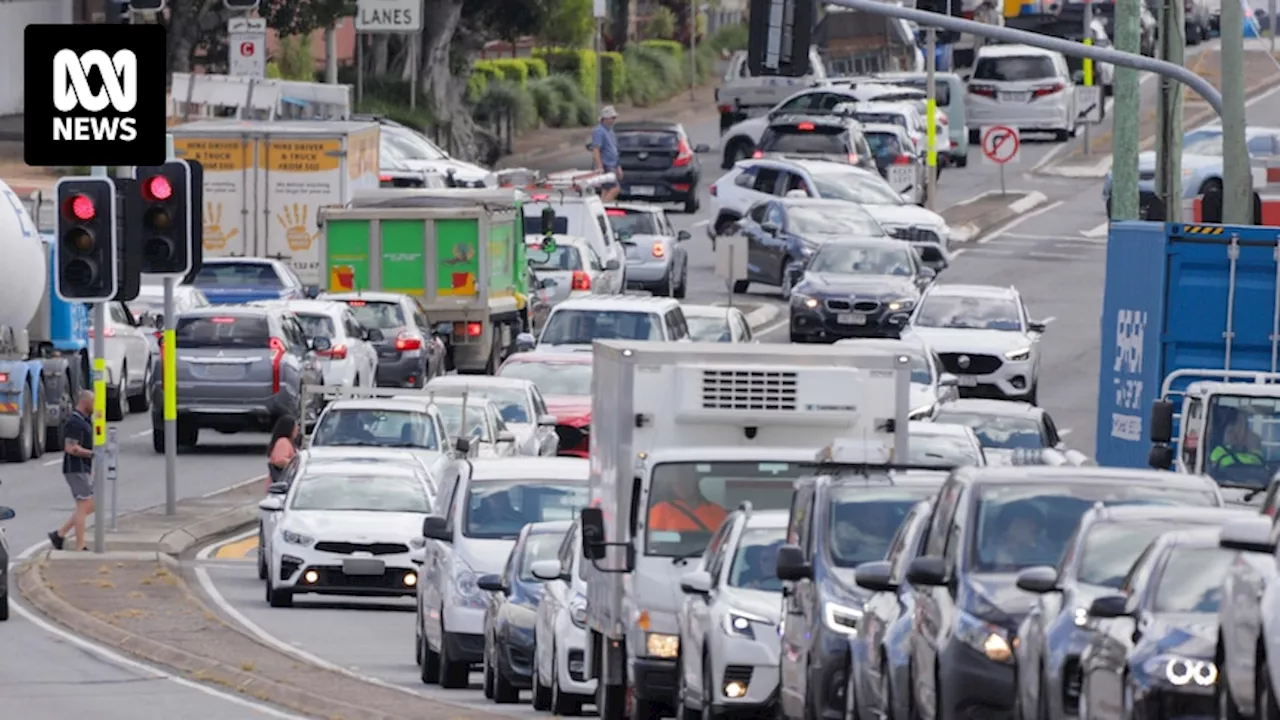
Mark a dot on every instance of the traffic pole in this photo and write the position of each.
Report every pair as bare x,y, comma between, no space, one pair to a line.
99,411
1088,66
931,107
1124,121
1237,180
1169,112
169,386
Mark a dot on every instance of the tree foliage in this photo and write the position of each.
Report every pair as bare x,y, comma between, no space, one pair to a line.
571,24
510,19
302,17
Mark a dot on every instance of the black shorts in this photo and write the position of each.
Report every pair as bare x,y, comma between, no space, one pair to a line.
612,185
81,485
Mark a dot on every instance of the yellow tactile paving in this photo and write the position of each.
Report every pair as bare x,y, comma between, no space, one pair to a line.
245,549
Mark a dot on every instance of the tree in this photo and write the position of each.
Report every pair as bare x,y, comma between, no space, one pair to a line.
303,17
511,19
572,24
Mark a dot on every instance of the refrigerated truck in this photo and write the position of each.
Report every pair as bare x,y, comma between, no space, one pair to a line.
1191,346
266,182
741,423
460,253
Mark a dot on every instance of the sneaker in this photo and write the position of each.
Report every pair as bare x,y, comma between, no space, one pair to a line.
55,539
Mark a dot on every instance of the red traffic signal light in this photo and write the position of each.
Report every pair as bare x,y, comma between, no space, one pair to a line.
157,188
81,208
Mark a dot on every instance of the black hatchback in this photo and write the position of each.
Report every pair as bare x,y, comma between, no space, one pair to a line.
658,163
824,137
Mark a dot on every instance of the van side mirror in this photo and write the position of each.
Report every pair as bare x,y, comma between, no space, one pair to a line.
7,513
546,570
435,527
612,264
927,571
791,564
1109,606
593,538
1039,580
875,576
1253,535
1161,421
1037,327
1160,457
696,583
491,583
272,503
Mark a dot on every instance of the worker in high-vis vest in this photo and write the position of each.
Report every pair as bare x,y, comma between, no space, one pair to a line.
685,509
1237,445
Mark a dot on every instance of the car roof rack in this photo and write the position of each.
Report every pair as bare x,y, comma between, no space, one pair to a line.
539,186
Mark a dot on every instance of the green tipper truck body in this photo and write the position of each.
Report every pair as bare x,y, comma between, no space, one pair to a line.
459,252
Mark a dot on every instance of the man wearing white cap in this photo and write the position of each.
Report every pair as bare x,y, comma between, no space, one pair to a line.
604,149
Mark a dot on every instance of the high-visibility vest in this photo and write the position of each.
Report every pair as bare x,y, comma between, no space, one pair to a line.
1225,457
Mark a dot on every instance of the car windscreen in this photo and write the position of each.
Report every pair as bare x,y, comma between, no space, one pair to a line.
374,314
1111,548
376,428
708,329
884,143
553,378
826,220
498,509
537,548
410,146
968,313
582,327
806,139
513,403
383,492
864,519
1012,68
1192,580
941,90
689,500
633,222
1022,525
232,331
477,428
755,564
882,118
316,325
635,140
238,275
852,259
942,451
1005,432
565,258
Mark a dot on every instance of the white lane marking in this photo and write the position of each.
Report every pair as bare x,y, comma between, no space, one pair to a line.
144,433
149,671
1064,432
1099,231
1050,239
1019,220
51,463
1107,105
700,223
1049,319
1032,255
207,551
957,253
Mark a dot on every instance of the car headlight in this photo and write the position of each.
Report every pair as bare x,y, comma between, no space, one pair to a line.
661,645
804,300
989,639
1019,354
466,587
578,610
1180,671
901,305
294,538
1080,616
841,618
742,624
417,543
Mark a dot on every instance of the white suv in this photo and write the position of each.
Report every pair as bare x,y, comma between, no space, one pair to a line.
1023,86
575,324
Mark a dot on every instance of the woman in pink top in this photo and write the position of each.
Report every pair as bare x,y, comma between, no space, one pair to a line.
282,448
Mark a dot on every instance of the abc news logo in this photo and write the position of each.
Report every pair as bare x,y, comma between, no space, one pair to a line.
95,95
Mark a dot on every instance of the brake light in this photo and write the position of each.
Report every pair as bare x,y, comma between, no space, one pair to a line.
1270,512
474,329
853,158
684,154
659,250
1048,90
903,159
384,178
983,90
614,212
725,108
111,332
806,126
160,338
581,280
757,155
538,198
712,189
223,321
4,377
405,341
277,357
337,352
356,303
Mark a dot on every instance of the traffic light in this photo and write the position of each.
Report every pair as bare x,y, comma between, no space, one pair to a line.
87,251
779,33
145,5
160,213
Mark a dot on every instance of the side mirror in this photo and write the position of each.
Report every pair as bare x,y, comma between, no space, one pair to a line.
791,564
927,274
1160,457
435,527
1109,606
321,344
375,335
771,228
548,219
490,583
683,235
463,446
696,583
875,576
506,436
593,538
927,571
1161,421
701,148
947,379
279,488
546,570
311,291
612,265
157,321
1039,580
272,503
525,342
547,420
1037,327
7,513
1253,535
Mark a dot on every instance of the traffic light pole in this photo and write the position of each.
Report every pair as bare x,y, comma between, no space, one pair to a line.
170,386
99,412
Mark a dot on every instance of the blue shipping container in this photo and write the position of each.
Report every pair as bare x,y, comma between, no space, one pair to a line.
1165,308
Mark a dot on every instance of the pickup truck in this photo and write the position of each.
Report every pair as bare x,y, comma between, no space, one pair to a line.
742,95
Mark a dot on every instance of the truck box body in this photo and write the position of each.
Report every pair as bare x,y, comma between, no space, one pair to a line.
265,182
1171,296
694,402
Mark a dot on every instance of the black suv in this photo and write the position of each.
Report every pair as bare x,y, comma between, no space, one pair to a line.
822,137
658,163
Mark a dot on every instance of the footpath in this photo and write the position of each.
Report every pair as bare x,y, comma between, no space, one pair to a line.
1260,75
134,600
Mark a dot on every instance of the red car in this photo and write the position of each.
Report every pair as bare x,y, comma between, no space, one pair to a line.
564,379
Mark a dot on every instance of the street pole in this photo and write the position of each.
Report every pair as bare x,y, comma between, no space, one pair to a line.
1124,165
99,411
599,72
1169,112
931,108
331,55
169,388
1237,185
1088,65
413,70
693,48
359,68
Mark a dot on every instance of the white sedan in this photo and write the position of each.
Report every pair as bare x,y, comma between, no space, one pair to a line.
347,529
351,360
716,323
519,404
486,434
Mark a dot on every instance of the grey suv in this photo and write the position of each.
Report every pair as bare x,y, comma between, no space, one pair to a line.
239,368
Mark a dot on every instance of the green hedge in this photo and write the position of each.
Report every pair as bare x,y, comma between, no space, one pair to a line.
613,76
512,70
653,75
670,47
578,64
730,38
537,67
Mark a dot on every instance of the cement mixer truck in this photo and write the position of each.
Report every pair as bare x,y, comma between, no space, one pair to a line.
44,340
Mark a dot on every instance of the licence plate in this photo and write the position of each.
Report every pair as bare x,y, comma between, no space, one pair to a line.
647,190
968,381
224,371
851,319
363,566
902,177
1015,96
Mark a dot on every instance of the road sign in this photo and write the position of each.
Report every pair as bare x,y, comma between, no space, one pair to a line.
113,453
1089,104
388,16
247,47
1000,144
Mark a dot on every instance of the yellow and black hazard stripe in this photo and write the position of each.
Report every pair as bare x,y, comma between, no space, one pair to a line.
1202,229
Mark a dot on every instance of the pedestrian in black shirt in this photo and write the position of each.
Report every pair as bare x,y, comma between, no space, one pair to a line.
77,468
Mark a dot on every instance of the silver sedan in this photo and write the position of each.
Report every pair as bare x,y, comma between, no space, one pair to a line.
519,403
656,257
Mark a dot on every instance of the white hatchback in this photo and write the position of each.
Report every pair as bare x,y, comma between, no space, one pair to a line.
1023,87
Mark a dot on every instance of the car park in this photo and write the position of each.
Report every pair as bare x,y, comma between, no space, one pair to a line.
783,232
658,163
130,358
478,422
233,280
560,681
474,526
352,358
564,379
566,267
657,259
832,137
716,323
575,324
985,337
856,288
410,352
931,385
519,403
1026,87
1004,428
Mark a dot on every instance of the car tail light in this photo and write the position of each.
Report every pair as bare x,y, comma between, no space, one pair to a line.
405,341
684,155
474,329
967,14
384,178
712,189
160,338
903,159
1270,511
805,126
659,251
983,90
111,332
615,212
757,155
277,357
853,158
4,377
725,108
337,352
1048,90
581,280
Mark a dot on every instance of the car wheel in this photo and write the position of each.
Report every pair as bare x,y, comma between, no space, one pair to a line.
562,703
708,707
142,401
962,161
4,595
453,674
740,286
429,662
663,288
683,287
118,406
262,557
1034,395
1227,708
504,693
541,691
1212,185
157,437
1267,709
738,149
683,710
486,685
278,598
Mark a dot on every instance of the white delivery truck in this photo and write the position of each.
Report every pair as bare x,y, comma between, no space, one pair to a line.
680,434
265,183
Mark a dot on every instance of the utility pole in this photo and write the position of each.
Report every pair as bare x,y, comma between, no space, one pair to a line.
1124,142
1237,186
693,48
331,55
931,107
1169,112
1087,66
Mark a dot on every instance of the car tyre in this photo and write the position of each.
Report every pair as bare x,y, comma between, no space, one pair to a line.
157,438
453,674
428,662
691,203
1061,135
1265,695
504,692
738,149
38,424
1033,397
1227,708
277,598
188,436
118,406
683,710
962,161
142,401
541,692
682,289
562,703
665,285
19,448
262,556
487,683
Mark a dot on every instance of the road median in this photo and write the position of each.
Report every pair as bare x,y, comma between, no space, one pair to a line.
973,218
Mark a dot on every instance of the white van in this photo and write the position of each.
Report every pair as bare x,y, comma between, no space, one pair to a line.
578,212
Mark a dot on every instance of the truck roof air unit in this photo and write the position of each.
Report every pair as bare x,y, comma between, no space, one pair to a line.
742,394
